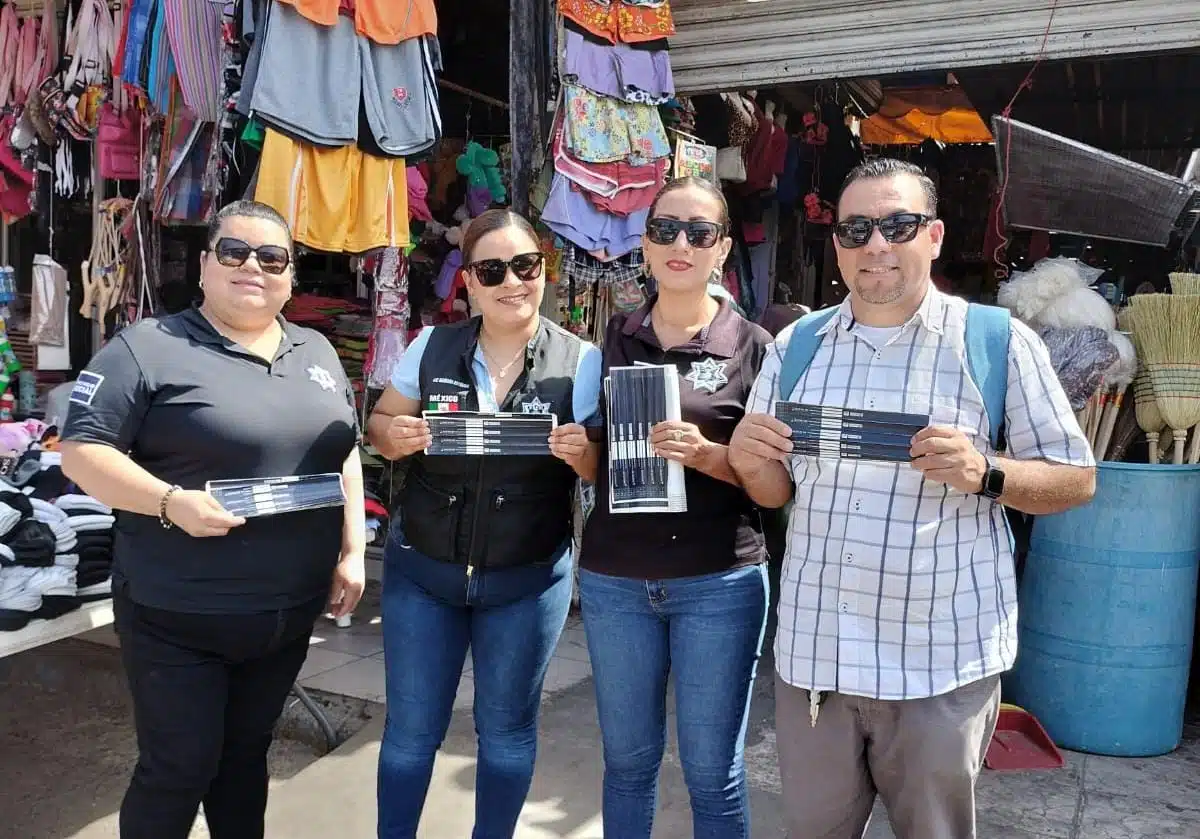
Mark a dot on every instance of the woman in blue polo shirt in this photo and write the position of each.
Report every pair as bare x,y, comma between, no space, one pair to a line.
479,552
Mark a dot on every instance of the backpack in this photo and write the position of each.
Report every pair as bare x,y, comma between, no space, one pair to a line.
987,337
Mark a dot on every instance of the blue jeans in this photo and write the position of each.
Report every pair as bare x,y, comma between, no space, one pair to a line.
511,619
708,631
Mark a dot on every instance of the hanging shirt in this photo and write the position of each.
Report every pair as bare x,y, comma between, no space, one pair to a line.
382,21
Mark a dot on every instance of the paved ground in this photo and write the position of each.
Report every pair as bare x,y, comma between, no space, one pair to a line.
1092,798
66,744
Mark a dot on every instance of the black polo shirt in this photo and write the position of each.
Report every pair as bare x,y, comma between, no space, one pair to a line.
190,406
721,528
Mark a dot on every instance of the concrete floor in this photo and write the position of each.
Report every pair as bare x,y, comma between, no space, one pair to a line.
66,745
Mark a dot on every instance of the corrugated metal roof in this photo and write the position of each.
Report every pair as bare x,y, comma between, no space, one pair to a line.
739,44
1144,107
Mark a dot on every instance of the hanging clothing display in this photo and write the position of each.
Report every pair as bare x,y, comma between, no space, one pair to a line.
342,113
609,150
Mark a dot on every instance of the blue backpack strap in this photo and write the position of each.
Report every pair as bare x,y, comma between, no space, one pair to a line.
988,332
802,346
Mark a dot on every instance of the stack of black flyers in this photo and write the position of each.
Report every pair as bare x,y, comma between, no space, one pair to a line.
822,431
640,481
253,497
466,433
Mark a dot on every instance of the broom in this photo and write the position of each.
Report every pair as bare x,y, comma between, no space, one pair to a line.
1168,329
1188,284
1118,378
1185,283
1149,418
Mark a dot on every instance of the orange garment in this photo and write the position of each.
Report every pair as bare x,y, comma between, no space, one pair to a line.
619,22
383,21
337,200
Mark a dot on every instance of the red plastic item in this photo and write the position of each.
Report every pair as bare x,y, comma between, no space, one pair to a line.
1020,742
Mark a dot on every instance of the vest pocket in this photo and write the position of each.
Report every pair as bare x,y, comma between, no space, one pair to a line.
430,517
525,528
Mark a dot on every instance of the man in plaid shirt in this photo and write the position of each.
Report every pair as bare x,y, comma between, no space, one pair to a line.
897,607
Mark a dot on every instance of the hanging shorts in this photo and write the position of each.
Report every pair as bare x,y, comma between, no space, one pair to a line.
383,21
622,21
337,200
311,79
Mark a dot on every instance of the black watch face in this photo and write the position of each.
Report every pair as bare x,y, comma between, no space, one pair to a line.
993,483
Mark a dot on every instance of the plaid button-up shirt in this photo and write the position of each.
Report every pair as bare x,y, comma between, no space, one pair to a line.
895,587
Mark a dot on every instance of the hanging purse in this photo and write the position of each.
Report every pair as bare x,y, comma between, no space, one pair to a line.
731,165
119,143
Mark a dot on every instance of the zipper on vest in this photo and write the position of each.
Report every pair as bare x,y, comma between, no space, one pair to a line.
475,516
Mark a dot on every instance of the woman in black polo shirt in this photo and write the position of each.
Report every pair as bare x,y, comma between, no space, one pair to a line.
682,593
214,612
478,554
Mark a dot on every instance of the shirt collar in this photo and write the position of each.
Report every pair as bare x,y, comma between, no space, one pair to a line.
719,338
930,314
200,329
536,345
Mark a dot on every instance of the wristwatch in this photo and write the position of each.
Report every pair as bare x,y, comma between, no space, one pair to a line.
993,481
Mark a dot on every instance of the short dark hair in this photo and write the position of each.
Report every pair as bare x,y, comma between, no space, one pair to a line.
702,184
489,221
890,167
248,209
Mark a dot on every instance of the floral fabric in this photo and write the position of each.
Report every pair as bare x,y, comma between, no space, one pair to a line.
622,21
603,130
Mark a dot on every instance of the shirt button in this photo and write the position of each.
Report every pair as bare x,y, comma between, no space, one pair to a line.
842,607
850,558
878,354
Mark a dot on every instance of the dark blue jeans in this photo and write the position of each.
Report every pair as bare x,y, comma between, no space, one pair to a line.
708,632
511,620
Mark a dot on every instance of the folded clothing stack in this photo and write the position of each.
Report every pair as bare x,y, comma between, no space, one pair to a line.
53,556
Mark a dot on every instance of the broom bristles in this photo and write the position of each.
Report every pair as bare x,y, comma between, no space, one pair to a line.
1168,331
1187,284
1145,409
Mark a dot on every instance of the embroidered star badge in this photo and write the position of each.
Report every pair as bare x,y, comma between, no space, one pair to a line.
322,377
535,406
708,374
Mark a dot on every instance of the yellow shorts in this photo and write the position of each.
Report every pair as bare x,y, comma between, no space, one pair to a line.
337,200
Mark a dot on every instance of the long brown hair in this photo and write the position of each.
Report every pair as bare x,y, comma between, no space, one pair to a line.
489,222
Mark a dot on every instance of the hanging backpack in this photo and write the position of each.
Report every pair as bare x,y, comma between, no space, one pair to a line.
988,332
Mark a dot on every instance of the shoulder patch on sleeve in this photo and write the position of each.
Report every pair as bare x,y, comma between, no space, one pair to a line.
85,388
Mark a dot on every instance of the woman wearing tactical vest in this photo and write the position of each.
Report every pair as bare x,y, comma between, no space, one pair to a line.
682,593
479,551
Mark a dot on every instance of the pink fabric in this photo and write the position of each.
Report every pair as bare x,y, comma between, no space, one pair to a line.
418,192
603,179
627,200
10,36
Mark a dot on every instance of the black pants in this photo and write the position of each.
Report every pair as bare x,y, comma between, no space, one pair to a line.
207,692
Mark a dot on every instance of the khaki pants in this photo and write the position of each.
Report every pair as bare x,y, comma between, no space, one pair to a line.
922,756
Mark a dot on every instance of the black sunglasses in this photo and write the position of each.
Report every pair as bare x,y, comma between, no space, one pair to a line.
700,234
233,253
896,229
491,272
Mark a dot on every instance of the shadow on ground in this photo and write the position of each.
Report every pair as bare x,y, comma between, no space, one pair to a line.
67,743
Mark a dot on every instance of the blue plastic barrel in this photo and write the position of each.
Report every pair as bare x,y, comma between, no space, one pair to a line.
1107,613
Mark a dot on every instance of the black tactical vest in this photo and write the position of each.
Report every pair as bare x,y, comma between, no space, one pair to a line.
492,512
